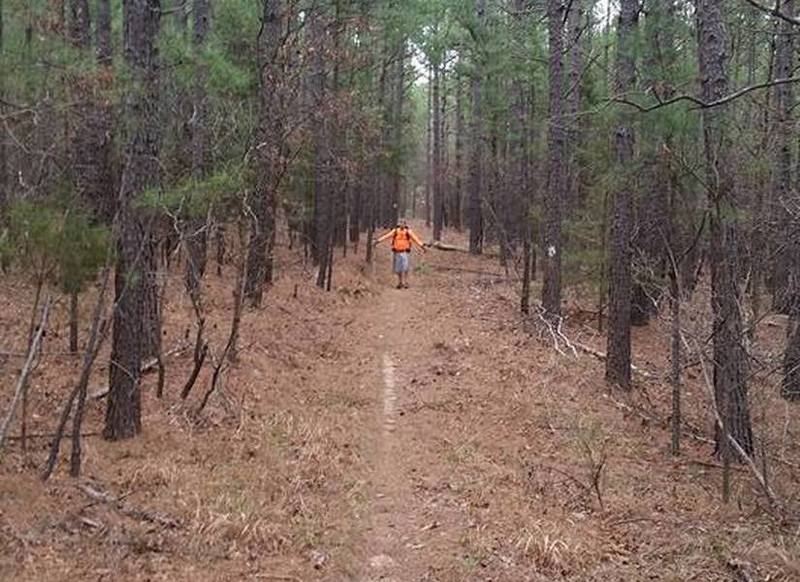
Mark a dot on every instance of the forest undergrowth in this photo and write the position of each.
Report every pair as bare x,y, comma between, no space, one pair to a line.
503,460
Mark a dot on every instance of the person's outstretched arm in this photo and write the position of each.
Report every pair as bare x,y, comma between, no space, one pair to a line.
385,236
415,239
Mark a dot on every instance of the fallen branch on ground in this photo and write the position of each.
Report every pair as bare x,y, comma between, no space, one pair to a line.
602,357
48,435
498,276
439,245
126,509
153,364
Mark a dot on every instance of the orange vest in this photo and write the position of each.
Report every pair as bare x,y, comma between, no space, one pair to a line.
401,241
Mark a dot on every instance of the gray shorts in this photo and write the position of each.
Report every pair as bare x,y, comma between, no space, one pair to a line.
401,262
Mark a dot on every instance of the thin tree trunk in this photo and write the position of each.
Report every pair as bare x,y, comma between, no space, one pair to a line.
73,323
556,181
575,24
263,203
399,101
429,148
458,192
475,214
675,357
438,194
34,347
322,148
197,226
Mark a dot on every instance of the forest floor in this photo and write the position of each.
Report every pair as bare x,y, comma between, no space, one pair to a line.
376,434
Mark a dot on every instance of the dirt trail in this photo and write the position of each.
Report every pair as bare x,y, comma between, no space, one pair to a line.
402,538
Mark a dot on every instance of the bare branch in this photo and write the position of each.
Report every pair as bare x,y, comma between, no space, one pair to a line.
30,364
774,12
699,103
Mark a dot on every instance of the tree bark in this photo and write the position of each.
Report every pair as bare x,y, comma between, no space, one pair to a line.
575,24
475,215
133,326
520,178
73,323
322,148
429,149
788,259
438,194
456,210
269,154
103,32
618,362
730,357
79,23
397,130
4,193
197,226
557,148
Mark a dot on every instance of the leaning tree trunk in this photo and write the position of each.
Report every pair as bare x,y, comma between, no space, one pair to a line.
618,361
134,249
263,203
730,356
557,148
196,226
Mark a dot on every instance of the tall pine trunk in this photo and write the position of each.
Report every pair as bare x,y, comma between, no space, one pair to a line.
456,209
197,227
132,331
438,193
575,24
518,145
322,148
397,130
475,214
730,357
618,361
263,202
789,256
4,194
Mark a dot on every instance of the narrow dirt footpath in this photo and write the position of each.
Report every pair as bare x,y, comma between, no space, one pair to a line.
414,528
404,535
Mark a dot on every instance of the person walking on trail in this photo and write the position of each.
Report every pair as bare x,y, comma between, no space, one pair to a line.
403,238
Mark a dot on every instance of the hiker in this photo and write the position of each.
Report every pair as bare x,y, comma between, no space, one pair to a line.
403,238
